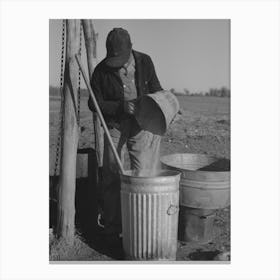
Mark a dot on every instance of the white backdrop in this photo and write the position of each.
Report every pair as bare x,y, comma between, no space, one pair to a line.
254,139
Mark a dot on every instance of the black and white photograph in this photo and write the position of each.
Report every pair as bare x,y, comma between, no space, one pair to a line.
139,140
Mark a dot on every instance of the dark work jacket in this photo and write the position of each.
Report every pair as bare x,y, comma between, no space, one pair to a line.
108,87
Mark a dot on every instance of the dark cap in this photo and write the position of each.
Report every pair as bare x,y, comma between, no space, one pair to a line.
118,47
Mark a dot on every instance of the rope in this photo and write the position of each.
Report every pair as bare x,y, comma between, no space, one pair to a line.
79,77
61,119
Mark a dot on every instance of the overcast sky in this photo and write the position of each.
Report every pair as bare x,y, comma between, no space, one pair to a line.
192,54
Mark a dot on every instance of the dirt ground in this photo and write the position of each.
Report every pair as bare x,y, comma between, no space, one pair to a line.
203,127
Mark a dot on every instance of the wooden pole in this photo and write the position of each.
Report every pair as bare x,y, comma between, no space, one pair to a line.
67,179
90,44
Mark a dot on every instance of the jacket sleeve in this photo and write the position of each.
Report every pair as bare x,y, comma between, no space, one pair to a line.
109,108
153,83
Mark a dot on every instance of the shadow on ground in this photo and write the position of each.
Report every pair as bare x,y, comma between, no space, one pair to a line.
86,204
200,255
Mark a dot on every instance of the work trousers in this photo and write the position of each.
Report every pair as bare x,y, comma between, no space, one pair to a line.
139,151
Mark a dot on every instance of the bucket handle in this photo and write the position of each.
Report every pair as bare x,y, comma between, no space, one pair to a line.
203,216
172,209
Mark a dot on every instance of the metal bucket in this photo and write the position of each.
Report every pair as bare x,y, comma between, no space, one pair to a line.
205,180
150,207
154,112
196,225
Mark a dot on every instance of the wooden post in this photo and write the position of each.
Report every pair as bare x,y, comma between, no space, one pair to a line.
67,179
90,44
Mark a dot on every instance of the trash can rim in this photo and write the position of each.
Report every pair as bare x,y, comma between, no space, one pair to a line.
160,174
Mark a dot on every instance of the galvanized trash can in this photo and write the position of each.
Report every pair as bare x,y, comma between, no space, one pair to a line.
150,207
204,187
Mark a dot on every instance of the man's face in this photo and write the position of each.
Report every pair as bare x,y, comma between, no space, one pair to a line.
128,62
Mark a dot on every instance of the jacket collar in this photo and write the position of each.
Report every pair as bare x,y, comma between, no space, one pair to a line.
137,57
138,72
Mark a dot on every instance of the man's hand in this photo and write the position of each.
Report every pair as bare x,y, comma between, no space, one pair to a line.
129,107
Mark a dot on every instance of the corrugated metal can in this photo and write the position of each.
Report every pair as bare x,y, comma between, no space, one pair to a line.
150,207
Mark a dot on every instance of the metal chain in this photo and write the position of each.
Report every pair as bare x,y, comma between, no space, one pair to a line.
79,78
61,119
